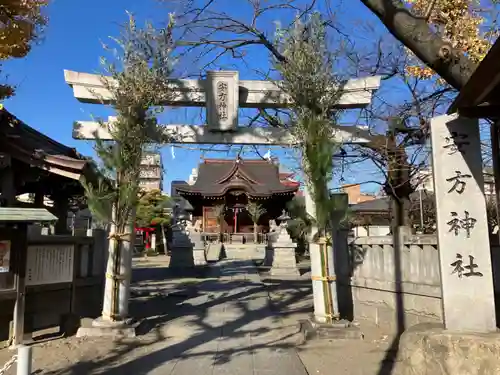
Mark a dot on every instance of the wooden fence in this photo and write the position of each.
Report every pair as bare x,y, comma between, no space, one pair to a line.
63,280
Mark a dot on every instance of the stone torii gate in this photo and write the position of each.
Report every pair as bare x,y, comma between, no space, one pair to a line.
222,94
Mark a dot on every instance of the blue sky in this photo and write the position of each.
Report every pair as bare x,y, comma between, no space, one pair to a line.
73,41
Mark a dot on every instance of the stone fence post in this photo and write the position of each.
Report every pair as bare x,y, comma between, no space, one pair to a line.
343,272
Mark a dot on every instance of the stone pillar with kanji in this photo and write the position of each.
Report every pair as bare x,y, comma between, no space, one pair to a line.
463,238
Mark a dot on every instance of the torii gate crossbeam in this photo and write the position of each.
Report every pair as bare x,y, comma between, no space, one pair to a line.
222,93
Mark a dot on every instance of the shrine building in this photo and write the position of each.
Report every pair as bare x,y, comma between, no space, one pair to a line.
33,164
232,184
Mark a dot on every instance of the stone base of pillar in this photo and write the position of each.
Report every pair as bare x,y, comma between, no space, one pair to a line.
283,260
338,330
188,256
104,328
428,348
181,257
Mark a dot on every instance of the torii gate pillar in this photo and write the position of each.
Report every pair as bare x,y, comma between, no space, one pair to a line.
222,93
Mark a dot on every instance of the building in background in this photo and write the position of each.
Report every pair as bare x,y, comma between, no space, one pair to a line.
151,174
287,178
355,195
232,184
38,172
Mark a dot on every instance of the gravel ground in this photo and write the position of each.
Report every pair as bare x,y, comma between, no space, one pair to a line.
157,291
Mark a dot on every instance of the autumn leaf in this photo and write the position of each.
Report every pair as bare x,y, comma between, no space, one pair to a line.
21,24
458,22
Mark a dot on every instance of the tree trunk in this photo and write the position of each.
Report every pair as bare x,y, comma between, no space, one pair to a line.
255,232
415,33
398,185
400,211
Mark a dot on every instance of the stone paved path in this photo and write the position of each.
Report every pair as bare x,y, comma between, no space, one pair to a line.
221,324
238,333
225,328
213,322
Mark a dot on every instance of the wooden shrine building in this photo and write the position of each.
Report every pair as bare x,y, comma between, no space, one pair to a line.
32,163
50,281
231,185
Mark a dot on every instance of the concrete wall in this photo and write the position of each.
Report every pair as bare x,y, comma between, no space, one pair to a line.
375,287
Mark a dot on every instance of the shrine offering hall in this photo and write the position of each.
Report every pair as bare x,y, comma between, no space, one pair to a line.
233,184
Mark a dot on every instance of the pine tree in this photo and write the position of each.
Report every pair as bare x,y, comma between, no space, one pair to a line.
308,78
152,212
301,223
151,209
314,89
137,79
256,211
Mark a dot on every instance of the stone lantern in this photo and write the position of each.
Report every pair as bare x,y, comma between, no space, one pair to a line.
282,249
